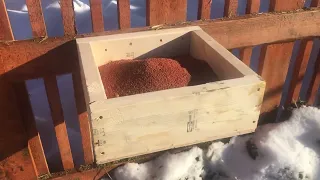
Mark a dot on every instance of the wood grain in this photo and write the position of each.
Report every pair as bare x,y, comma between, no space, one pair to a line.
5,26
96,15
299,70
275,60
204,9
68,18
166,11
230,8
58,121
38,25
123,13
314,84
273,67
34,141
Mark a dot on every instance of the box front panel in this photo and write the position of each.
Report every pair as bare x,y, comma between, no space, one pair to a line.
141,128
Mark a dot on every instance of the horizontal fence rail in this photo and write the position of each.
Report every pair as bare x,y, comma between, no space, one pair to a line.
44,57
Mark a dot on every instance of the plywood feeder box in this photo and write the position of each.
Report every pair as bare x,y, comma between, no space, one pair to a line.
144,123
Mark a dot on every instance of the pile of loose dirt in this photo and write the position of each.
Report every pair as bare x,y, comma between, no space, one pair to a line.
129,77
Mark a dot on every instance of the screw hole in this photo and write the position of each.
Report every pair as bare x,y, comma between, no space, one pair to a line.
160,40
105,49
130,44
102,153
100,117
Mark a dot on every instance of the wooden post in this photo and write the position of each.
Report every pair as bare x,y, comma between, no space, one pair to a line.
38,25
166,11
68,17
97,15
58,121
124,13
5,26
204,9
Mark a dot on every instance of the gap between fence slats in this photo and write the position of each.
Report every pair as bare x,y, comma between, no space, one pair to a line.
314,84
68,19
123,13
204,9
38,25
246,53
58,121
299,70
96,15
166,11
230,8
82,117
34,141
5,26
315,3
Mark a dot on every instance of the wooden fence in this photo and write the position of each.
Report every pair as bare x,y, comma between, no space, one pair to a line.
21,151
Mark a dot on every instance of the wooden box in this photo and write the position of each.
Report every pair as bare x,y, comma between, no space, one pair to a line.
139,124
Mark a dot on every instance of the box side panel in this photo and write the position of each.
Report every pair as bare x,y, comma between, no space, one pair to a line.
90,76
131,130
140,47
223,63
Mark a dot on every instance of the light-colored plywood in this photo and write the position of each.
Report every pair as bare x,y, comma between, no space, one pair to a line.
143,123
202,114
223,63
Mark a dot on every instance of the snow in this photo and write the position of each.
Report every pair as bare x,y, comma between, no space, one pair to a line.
286,151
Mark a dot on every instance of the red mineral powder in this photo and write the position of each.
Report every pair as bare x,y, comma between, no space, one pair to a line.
128,77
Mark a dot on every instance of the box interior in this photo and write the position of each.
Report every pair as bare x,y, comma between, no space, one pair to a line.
169,44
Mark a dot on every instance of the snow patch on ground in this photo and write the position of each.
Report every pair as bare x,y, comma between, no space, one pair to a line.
286,151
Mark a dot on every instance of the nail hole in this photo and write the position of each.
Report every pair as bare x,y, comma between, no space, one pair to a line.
100,117
258,89
102,153
105,49
160,40
130,44
253,121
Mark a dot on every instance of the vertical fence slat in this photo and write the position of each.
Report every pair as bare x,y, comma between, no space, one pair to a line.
315,83
273,67
123,13
287,5
83,117
38,25
5,26
204,9
34,142
96,15
253,6
166,11
245,55
230,8
315,3
52,90
68,20
299,70
275,60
